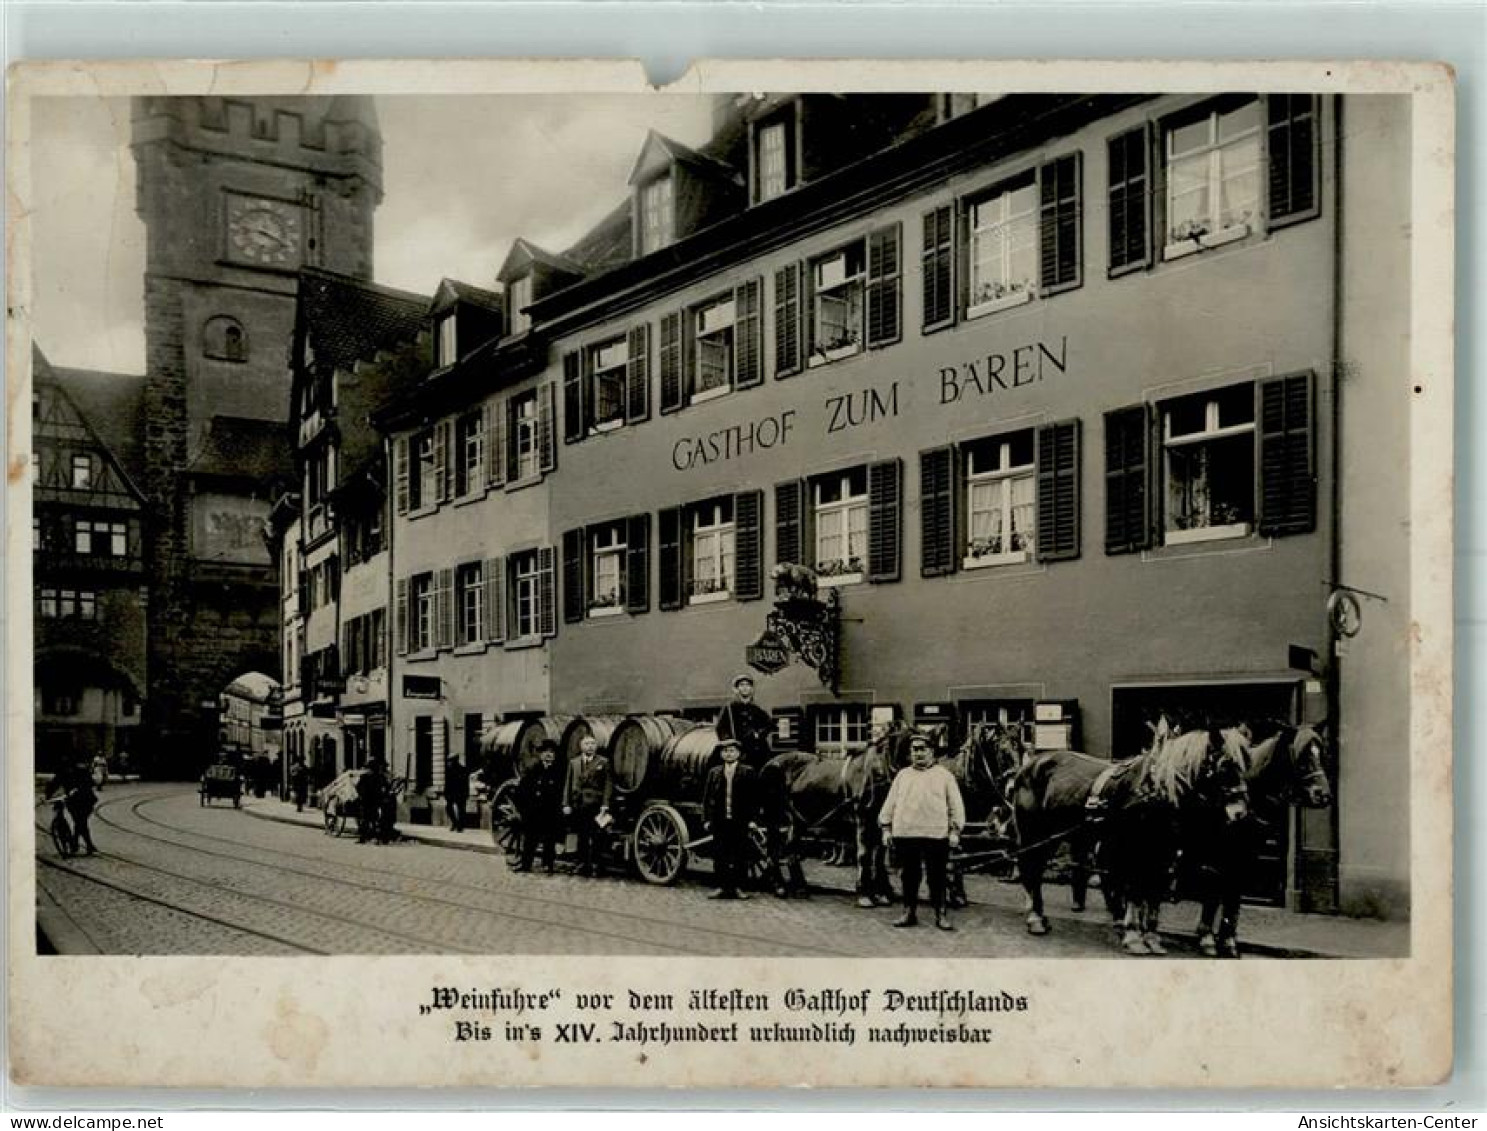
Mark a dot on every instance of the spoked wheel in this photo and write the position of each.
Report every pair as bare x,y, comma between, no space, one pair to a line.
660,844
506,818
64,840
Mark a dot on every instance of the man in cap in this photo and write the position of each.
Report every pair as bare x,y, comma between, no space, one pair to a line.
370,788
730,800
923,817
746,722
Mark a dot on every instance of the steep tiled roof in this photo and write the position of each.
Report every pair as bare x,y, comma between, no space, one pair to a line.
348,320
452,290
112,404
608,244
237,447
524,251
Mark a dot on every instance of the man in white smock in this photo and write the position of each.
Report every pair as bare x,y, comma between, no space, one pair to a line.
922,818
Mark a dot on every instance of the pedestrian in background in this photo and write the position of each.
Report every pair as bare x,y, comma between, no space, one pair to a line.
730,800
299,782
922,819
456,791
539,799
370,788
586,793
74,782
100,771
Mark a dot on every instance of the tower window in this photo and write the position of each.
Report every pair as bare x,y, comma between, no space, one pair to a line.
223,339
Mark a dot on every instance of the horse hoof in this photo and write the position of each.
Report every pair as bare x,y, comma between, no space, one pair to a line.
1134,945
1208,946
1154,944
1037,925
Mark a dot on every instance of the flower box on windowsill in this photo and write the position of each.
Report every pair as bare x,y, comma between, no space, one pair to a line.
836,579
602,426
1011,557
992,305
824,355
1207,533
711,394
709,598
1179,248
596,611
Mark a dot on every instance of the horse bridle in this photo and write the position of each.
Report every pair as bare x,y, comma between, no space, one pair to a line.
1295,789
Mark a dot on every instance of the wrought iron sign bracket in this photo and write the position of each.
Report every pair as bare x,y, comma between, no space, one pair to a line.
809,623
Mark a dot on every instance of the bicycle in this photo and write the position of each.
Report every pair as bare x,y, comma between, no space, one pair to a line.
64,836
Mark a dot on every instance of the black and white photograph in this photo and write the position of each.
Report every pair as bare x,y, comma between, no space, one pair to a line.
823,524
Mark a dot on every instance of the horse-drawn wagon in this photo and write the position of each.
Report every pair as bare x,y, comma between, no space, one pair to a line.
340,804
659,766
222,780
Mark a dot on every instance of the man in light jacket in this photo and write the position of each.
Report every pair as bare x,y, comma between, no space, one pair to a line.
922,818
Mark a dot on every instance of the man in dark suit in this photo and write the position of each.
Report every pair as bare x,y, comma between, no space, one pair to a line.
586,793
456,791
746,722
539,798
730,800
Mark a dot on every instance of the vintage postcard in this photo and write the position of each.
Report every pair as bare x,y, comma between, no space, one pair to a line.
839,574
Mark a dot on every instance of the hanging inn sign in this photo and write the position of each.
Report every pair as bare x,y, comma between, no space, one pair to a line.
802,625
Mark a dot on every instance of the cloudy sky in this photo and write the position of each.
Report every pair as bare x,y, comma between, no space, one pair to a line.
463,177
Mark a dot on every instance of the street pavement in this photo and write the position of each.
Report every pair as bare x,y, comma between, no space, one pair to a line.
174,877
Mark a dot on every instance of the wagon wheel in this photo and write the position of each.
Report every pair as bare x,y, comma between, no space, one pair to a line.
660,844
506,818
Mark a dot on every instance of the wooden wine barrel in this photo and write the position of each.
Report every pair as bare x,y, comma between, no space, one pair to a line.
680,771
600,726
513,745
636,744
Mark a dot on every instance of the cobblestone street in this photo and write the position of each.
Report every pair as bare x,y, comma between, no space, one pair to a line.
172,877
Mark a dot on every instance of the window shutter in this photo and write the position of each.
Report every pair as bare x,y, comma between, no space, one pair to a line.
547,598
575,590
1295,167
1058,491
884,286
787,320
671,361
513,449
937,263
669,538
807,314
495,443
1288,481
303,592
1130,200
638,375
748,546
547,411
444,608
1059,224
400,472
789,542
749,369
1128,519
638,563
441,461
575,421
495,599
884,520
937,511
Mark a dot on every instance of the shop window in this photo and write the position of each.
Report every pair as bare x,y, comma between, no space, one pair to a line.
1212,175
841,730
657,215
469,589
1209,465
1001,500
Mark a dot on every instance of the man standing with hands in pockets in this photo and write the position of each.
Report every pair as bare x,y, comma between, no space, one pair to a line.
922,819
730,800
586,793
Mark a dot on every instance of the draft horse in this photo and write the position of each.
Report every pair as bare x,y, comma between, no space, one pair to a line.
1126,815
1285,768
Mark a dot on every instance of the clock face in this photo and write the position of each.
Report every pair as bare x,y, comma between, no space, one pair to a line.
263,232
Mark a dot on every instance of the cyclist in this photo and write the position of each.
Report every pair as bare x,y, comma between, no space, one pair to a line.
75,783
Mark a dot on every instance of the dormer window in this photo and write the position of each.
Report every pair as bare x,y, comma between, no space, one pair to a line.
775,170
518,298
657,212
963,102
448,350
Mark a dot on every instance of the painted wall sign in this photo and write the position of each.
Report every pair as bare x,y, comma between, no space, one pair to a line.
733,441
420,687
852,410
1024,365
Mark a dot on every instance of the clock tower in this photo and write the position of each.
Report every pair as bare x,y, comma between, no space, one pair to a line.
236,195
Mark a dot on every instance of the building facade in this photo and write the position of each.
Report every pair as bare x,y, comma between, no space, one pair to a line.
1047,388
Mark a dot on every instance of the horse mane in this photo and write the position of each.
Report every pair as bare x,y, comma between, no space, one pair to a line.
1176,763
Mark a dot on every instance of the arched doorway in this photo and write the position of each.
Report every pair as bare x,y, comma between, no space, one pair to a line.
250,729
